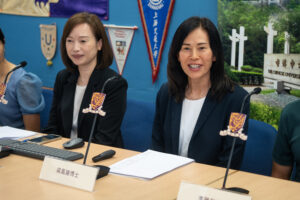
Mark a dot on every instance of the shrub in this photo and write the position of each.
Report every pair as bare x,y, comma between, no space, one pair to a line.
255,69
247,68
268,91
249,78
230,74
232,67
265,113
295,92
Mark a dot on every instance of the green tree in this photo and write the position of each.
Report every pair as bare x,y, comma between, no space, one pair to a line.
233,14
289,21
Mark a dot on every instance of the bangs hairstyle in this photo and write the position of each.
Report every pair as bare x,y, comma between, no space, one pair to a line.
104,56
2,38
178,80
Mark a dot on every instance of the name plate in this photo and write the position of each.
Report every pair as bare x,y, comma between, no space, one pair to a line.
199,192
69,173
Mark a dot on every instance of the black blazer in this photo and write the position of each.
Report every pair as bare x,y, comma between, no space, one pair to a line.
107,129
206,145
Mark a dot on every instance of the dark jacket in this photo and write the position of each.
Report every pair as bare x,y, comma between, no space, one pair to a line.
206,145
107,129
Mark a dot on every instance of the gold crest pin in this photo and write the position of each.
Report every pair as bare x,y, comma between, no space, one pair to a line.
235,127
96,104
2,93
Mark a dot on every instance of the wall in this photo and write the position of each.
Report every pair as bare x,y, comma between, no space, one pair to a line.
23,43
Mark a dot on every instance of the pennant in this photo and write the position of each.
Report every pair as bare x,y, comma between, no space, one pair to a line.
96,104
235,127
48,41
120,38
155,16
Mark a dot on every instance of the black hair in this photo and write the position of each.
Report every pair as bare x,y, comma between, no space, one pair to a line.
104,57
178,80
2,38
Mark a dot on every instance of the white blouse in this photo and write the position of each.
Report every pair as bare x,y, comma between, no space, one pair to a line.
79,92
189,116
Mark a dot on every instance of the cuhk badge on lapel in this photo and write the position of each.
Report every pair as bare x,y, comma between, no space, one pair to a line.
235,127
2,92
96,104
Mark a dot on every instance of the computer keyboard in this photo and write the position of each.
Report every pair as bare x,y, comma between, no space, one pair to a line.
38,151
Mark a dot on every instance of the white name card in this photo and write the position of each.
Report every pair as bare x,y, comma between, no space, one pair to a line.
69,173
199,192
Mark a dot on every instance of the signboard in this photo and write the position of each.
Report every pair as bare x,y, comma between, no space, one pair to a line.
283,67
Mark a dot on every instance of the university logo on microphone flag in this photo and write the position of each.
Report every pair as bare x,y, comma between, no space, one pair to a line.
48,41
2,93
96,104
120,38
155,16
235,127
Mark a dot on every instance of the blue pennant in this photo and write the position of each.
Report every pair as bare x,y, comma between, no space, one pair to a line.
155,16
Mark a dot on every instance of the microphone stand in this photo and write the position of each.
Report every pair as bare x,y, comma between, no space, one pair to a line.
237,189
103,170
90,138
22,64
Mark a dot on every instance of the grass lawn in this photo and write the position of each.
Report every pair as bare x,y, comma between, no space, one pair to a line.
293,92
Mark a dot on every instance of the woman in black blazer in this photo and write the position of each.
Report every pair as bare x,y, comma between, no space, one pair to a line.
196,103
86,53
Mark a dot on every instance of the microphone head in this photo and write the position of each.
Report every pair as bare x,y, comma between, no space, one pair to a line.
256,90
23,64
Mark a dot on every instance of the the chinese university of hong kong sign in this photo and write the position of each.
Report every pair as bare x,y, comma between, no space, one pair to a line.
283,67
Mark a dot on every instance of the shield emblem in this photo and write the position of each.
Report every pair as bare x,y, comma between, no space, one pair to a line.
48,41
97,100
236,122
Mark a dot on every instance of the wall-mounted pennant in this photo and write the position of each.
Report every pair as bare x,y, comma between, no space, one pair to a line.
48,41
120,38
155,16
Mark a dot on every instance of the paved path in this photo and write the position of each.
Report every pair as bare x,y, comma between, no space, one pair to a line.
271,99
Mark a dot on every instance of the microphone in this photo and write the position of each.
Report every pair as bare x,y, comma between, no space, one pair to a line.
22,64
237,189
103,170
254,91
105,155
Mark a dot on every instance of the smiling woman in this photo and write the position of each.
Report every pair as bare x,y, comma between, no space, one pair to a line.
82,48
196,102
196,57
87,55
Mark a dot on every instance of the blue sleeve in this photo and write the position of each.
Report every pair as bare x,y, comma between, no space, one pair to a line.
29,94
